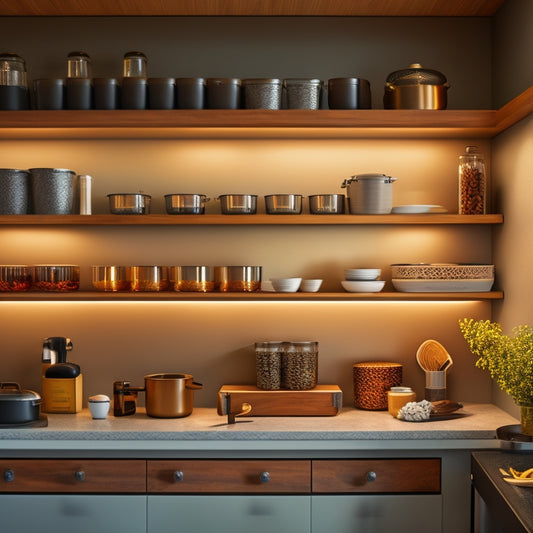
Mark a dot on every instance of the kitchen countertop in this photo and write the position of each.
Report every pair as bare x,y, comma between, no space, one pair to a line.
510,506
352,429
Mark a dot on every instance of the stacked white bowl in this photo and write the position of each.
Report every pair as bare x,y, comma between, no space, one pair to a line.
362,280
286,284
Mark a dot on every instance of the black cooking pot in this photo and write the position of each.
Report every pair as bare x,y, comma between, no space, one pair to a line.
18,406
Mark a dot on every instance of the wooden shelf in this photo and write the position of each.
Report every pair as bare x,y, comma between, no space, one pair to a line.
246,220
207,123
237,296
479,8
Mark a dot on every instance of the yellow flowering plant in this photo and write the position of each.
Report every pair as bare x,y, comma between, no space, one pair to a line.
508,359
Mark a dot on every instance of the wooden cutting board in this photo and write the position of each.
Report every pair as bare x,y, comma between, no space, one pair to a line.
323,400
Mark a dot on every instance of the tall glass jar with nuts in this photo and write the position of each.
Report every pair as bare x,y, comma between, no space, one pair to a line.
472,183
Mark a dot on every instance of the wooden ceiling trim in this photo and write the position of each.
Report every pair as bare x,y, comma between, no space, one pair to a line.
345,8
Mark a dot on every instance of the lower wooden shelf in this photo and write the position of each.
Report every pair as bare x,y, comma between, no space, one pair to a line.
244,296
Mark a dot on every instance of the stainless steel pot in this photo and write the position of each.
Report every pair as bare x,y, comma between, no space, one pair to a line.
415,88
167,395
129,203
238,204
326,204
283,204
369,194
185,204
18,406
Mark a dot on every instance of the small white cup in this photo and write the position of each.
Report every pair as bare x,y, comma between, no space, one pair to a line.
310,285
99,406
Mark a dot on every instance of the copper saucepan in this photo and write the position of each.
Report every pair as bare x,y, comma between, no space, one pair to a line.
167,395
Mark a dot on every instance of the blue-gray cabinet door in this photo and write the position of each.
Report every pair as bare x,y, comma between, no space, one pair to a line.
68,513
369,513
229,514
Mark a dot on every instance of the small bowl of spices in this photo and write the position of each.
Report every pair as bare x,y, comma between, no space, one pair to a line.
15,278
56,278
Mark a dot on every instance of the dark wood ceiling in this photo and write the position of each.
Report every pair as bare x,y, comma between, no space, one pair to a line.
347,8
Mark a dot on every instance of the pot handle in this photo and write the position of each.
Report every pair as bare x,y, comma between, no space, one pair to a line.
10,385
193,385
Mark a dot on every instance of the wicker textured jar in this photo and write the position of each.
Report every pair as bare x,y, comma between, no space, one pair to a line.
371,382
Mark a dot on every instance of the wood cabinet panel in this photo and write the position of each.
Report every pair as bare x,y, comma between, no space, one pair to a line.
229,476
72,476
377,475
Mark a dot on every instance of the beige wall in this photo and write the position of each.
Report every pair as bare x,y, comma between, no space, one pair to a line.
512,160
214,341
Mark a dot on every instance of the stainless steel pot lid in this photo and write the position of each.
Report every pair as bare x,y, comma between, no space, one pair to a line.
10,391
368,177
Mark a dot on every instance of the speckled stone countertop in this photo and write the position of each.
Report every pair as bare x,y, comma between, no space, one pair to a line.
204,429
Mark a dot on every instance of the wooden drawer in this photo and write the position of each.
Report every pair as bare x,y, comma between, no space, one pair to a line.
229,476
376,475
72,475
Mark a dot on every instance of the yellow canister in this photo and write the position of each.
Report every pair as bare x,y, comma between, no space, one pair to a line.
398,397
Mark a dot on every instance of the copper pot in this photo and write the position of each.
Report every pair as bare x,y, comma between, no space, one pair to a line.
167,396
415,88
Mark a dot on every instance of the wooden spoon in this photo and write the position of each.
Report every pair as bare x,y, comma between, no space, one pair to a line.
432,356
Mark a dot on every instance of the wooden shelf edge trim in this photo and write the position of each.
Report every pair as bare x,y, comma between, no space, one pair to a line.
246,220
257,296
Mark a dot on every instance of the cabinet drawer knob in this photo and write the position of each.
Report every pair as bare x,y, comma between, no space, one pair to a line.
178,476
80,475
371,476
9,475
264,477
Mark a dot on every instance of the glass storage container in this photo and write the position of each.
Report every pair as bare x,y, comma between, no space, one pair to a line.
472,182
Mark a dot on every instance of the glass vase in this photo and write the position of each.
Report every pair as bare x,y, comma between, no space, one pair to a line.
526,419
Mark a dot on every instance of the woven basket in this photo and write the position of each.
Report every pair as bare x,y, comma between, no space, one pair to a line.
372,380
442,271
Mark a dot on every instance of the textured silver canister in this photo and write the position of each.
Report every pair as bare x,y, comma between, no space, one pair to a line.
262,93
14,191
303,93
52,190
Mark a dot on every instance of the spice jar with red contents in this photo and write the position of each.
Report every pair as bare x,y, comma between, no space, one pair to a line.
472,182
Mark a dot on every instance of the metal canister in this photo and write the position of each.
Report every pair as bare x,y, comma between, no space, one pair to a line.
303,93
262,93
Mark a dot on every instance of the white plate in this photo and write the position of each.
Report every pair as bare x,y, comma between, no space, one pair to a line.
443,285
413,209
363,286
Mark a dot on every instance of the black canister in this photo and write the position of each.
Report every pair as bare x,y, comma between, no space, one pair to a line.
14,191
161,93
14,94
190,93
106,93
79,93
349,93
134,93
223,93
79,86
49,93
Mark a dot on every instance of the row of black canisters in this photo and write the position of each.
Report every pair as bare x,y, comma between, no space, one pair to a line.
160,93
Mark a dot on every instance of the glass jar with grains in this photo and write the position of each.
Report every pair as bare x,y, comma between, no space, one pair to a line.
472,183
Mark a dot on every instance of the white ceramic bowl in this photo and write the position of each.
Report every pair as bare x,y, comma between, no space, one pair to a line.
362,274
286,284
363,286
310,285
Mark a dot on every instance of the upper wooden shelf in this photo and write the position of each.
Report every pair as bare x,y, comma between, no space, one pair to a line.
246,220
246,296
264,123
345,8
